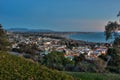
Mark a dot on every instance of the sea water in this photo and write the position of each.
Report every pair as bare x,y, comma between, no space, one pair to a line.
91,37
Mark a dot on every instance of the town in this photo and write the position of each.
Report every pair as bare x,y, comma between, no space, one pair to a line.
59,39
46,44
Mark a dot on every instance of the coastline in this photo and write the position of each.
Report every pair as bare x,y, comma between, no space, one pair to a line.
94,37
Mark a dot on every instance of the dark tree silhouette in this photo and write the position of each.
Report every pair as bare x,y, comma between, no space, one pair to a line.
111,31
3,39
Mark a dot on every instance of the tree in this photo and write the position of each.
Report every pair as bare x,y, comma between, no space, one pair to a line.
79,59
3,39
2,32
56,60
111,31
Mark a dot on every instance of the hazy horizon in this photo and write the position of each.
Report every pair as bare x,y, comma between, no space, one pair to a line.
58,15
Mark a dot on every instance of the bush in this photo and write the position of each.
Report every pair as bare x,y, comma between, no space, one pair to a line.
18,68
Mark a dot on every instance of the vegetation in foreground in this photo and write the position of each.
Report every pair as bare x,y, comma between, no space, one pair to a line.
18,68
94,76
13,67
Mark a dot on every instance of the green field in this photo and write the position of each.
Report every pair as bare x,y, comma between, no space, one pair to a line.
94,76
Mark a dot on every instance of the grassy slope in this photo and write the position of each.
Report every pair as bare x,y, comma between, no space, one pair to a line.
13,67
18,68
95,76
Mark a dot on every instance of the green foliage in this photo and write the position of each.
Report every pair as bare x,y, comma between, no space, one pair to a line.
79,59
18,68
117,42
110,29
94,76
92,66
114,63
4,44
83,65
56,60
27,48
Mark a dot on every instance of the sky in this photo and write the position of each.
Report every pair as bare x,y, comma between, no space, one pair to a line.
58,15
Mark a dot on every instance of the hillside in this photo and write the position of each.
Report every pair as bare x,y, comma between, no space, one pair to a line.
94,76
28,30
18,68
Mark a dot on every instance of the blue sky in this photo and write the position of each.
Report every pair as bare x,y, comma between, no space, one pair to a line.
58,15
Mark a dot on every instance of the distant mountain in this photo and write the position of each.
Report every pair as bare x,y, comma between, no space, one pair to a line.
28,30
40,30
17,29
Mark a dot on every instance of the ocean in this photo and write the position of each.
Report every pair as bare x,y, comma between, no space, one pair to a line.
90,37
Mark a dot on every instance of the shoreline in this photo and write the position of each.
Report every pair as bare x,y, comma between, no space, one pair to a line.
68,36
63,35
